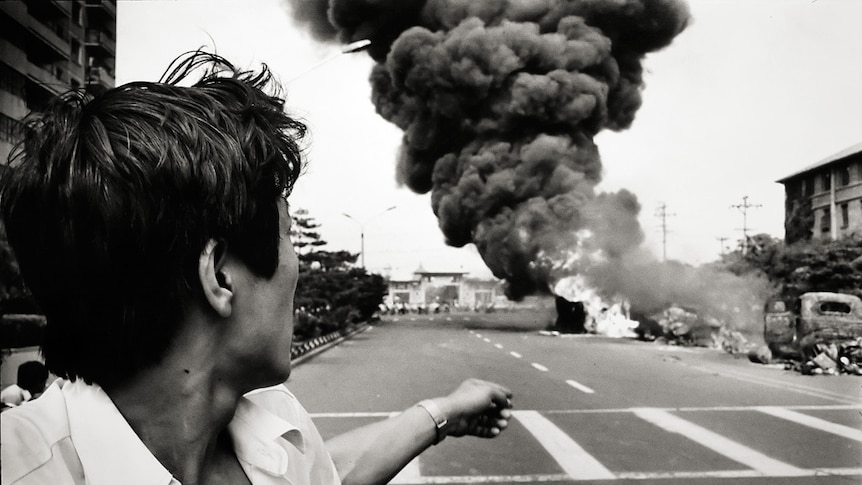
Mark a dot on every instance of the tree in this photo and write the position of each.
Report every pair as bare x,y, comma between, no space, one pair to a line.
331,293
302,232
799,222
805,266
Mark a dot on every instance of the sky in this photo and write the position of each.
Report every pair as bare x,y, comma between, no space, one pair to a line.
751,91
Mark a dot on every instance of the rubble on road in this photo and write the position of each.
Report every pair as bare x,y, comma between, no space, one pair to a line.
829,358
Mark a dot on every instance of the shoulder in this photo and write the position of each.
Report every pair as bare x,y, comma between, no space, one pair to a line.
30,432
279,401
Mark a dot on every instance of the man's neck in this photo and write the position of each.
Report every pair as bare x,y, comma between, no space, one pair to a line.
180,408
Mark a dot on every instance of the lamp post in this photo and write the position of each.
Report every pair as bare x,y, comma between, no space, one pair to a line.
358,46
362,231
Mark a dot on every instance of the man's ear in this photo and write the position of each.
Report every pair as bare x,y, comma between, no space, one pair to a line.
215,279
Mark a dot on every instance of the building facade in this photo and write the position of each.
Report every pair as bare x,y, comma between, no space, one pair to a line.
48,47
832,190
454,289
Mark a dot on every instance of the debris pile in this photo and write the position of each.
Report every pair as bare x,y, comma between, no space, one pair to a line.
831,358
682,326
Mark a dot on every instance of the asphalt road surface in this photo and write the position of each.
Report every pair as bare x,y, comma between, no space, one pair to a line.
592,409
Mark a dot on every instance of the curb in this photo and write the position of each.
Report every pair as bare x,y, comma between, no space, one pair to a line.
311,348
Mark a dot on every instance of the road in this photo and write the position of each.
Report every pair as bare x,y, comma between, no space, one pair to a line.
593,409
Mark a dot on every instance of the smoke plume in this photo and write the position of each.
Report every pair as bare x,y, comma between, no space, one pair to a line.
499,102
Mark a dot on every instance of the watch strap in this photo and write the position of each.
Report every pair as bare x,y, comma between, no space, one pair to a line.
440,421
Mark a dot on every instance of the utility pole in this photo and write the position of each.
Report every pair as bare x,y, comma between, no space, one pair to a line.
721,241
361,225
744,209
662,214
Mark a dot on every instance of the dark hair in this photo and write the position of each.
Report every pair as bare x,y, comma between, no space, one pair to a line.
109,202
32,376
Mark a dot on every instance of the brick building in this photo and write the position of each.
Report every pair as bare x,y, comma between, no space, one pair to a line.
832,189
48,47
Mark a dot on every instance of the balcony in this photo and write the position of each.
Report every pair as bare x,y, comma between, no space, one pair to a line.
43,42
101,10
100,77
98,42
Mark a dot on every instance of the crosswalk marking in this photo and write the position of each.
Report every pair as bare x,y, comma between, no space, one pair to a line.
574,460
577,385
409,474
812,422
735,451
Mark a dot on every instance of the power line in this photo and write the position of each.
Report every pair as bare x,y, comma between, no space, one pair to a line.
662,214
722,240
744,209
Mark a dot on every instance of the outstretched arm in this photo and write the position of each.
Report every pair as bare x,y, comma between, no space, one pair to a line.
375,453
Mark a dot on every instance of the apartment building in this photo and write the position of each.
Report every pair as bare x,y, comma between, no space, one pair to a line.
832,189
48,47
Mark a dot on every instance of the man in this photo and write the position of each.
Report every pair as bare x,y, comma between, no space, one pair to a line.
151,223
30,384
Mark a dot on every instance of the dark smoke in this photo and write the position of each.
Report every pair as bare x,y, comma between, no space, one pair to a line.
499,102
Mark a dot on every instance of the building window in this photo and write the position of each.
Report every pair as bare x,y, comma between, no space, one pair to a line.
844,175
845,216
827,181
825,220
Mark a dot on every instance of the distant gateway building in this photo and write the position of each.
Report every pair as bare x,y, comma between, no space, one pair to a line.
453,288
833,189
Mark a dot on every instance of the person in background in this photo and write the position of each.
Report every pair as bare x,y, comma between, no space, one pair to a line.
32,377
151,224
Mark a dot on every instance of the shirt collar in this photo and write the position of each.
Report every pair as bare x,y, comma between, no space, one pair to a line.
112,453
256,434
109,449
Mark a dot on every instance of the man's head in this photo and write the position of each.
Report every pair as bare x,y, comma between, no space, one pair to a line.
110,202
32,376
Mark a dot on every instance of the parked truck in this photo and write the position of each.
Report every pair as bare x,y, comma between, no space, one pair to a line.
793,329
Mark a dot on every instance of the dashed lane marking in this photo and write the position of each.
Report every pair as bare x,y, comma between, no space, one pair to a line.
721,445
515,354
828,407
574,460
812,422
539,366
580,387
499,346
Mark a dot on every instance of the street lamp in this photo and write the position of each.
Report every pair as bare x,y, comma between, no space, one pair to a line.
358,46
362,231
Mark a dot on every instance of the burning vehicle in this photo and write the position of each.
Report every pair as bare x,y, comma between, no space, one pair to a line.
819,332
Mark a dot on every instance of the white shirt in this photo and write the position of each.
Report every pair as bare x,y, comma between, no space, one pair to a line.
14,395
73,434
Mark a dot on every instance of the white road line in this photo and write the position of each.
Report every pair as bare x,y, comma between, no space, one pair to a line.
487,340
714,441
767,381
825,407
498,346
409,474
808,472
515,354
812,422
479,335
580,387
539,366
539,478
574,460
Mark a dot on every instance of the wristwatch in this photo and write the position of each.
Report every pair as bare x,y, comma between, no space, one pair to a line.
436,414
